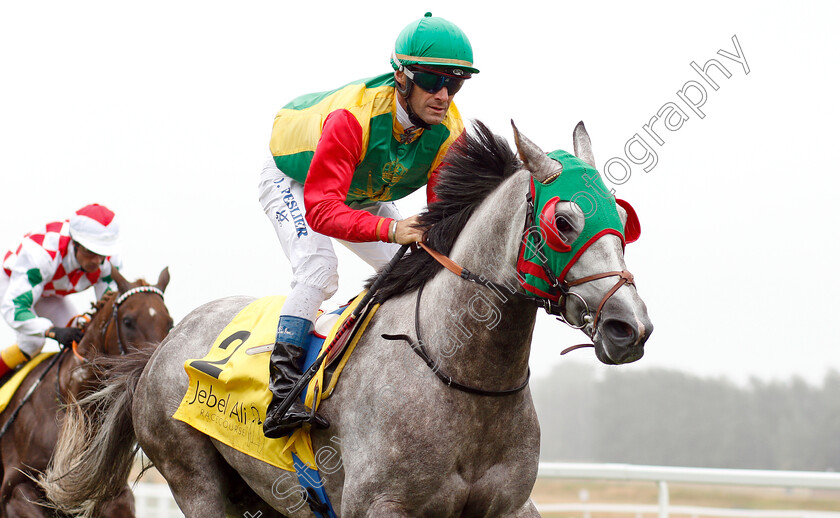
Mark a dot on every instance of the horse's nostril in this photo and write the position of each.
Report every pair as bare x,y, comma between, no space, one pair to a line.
620,332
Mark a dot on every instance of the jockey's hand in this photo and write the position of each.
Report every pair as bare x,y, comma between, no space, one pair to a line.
65,335
407,232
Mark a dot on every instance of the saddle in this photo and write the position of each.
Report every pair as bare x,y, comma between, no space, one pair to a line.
12,381
228,390
325,323
327,329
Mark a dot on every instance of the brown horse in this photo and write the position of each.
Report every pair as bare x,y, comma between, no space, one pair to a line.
134,317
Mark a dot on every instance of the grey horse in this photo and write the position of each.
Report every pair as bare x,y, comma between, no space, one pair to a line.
402,442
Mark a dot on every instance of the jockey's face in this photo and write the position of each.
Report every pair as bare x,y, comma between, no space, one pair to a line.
88,261
431,108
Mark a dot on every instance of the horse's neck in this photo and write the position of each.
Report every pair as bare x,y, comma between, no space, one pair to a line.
478,335
96,332
76,374
72,375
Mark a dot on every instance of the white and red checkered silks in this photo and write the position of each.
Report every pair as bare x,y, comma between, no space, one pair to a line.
43,269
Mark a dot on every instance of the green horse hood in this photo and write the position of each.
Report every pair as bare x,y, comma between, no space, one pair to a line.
544,252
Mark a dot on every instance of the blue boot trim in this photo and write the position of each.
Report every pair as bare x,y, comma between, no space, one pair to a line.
296,331
293,330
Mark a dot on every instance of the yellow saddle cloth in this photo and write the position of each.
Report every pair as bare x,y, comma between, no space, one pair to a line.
10,387
228,391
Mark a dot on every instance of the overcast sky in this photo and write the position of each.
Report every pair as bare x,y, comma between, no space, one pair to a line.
163,111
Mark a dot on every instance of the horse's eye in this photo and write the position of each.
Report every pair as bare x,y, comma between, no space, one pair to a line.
128,322
563,224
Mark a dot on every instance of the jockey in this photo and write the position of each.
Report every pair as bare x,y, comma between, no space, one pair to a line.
339,158
62,258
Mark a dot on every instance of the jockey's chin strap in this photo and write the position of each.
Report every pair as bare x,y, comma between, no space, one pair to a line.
552,308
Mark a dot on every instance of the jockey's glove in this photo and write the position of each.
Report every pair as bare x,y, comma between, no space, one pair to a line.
65,335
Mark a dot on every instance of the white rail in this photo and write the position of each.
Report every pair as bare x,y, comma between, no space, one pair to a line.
664,474
740,477
586,510
155,500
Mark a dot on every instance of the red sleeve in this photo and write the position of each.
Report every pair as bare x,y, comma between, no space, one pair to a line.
338,153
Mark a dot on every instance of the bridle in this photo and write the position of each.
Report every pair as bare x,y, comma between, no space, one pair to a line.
556,309
561,287
57,358
116,308
551,307
559,291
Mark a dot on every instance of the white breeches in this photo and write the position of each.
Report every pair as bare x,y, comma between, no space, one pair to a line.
314,262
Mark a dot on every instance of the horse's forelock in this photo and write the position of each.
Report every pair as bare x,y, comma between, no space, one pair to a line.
106,299
475,165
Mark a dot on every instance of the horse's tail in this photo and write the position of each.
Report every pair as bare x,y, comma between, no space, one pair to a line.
97,445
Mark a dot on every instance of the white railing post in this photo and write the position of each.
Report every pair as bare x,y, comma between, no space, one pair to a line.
583,495
664,499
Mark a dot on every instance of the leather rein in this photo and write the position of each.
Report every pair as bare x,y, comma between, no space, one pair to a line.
552,308
55,360
555,308
421,351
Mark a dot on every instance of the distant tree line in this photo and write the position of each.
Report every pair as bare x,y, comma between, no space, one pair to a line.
667,417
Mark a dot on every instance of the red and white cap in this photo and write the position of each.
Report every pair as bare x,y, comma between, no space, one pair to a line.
95,228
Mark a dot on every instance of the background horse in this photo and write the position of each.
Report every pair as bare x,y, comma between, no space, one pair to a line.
401,442
136,316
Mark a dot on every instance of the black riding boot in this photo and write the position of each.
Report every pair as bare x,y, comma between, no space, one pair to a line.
284,371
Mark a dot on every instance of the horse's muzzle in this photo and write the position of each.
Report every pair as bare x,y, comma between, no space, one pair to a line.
621,342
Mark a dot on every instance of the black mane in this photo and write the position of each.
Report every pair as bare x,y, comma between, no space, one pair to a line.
473,167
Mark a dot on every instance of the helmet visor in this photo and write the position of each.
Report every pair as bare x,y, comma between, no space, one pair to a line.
432,83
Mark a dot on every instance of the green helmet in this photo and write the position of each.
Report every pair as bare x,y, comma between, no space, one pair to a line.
433,42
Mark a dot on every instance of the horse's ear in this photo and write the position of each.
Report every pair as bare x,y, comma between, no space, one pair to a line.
583,146
122,284
534,159
163,279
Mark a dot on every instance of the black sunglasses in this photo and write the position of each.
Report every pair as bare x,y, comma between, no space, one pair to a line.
432,83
